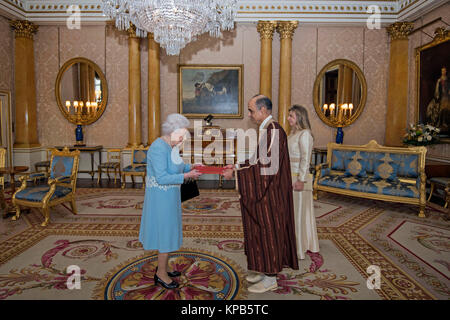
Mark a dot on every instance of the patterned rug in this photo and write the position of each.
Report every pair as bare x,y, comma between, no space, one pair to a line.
354,234
122,203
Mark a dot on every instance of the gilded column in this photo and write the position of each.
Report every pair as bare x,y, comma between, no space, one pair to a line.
266,30
25,85
286,30
154,111
397,104
134,89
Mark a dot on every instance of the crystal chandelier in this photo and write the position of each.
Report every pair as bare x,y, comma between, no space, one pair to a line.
174,23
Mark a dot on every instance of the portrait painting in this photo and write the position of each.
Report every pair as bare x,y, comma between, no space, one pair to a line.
433,106
210,90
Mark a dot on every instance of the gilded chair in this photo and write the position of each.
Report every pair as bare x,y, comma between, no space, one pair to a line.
2,164
113,161
137,166
61,185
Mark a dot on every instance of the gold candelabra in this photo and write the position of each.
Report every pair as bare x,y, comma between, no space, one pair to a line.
339,115
82,111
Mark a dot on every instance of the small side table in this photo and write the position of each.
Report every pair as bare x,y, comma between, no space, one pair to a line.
438,175
319,153
444,183
11,171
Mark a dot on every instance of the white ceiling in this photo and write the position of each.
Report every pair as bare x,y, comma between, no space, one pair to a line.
313,11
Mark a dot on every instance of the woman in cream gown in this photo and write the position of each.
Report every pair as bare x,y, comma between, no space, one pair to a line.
300,143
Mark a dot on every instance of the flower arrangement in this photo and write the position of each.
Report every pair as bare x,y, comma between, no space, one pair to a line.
421,135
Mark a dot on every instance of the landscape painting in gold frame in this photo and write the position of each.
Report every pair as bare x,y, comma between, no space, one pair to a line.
432,67
210,89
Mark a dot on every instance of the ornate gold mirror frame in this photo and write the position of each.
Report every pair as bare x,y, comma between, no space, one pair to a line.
349,117
86,115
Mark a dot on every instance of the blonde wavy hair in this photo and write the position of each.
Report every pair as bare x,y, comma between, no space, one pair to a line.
302,118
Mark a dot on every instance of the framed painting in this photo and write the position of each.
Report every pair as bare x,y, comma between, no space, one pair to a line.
6,126
210,89
432,66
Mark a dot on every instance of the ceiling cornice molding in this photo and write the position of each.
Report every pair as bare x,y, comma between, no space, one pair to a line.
12,10
414,9
329,12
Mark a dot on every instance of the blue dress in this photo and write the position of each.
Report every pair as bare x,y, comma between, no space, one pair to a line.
161,227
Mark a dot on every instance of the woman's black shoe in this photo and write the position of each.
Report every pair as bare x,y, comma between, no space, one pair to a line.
172,274
171,285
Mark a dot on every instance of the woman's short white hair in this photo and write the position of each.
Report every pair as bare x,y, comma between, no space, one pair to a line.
173,122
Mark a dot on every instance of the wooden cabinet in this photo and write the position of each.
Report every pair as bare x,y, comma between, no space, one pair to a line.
210,146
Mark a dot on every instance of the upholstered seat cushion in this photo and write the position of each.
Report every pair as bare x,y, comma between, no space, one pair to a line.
355,166
134,169
37,193
441,180
338,159
42,164
370,185
109,165
386,170
37,175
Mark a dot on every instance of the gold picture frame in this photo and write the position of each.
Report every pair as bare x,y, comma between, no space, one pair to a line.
205,89
6,125
430,58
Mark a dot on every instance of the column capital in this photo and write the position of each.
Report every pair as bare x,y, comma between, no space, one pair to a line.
400,30
150,36
266,29
286,29
132,31
23,28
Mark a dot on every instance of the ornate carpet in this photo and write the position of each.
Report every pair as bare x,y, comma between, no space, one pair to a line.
412,253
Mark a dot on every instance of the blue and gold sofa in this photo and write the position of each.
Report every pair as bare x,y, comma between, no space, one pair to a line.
375,172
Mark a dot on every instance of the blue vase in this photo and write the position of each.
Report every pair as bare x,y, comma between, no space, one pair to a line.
340,135
79,134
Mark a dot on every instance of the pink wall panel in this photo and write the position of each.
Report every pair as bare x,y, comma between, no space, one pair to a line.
53,128
7,56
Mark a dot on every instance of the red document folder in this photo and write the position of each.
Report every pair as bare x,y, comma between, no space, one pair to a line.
210,169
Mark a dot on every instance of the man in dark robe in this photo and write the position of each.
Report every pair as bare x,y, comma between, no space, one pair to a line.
265,187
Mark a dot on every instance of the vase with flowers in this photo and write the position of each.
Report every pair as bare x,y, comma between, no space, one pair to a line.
421,135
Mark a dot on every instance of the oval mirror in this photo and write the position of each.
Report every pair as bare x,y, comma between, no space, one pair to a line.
81,91
340,93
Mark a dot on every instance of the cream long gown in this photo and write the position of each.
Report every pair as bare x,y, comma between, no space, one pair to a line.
300,150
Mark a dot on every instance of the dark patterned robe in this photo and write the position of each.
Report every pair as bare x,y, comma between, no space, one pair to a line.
267,206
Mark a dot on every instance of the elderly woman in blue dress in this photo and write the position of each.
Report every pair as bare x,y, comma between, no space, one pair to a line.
161,227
